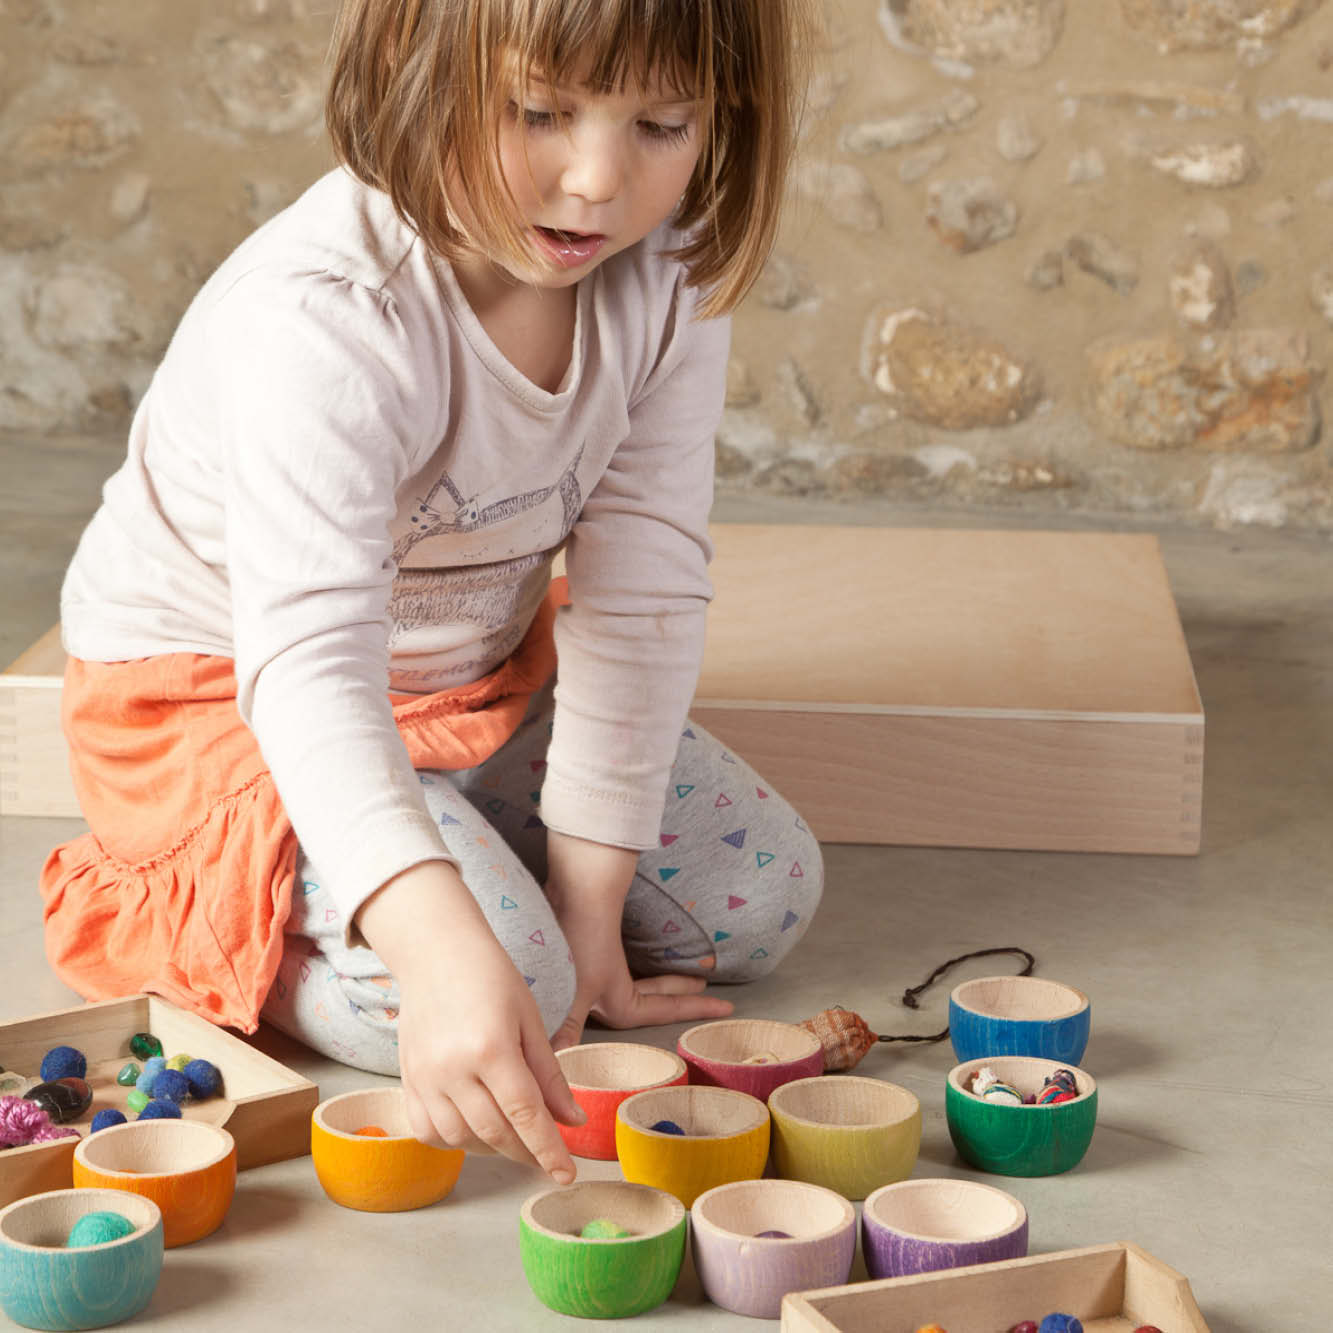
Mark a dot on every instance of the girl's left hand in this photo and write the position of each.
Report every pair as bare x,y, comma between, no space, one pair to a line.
586,886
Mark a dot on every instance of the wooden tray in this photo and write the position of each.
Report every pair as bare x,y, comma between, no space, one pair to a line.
265,1106
1111,1288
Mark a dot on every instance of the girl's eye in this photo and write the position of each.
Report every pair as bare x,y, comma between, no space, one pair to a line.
532,117
666,134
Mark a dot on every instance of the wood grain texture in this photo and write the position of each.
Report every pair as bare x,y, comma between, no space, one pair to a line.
600,1076
1112,1288
1019,1016
717,1054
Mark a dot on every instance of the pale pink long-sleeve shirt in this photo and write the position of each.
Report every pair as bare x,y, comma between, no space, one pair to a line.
336,479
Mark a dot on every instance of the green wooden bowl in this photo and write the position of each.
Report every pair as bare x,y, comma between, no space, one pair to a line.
1019,1140
602,1278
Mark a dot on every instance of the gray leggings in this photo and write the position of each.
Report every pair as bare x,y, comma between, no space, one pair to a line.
730,888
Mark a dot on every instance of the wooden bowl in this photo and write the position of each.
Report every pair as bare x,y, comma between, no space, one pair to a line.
725,1139
45,1285
604,1278
1019,1016
389,1173
601,1075
749,1273
846,1133
918,1226
1019,1140
186,1167
753,1055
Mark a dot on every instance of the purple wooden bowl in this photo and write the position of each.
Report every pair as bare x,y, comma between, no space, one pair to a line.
753,1055
919,1226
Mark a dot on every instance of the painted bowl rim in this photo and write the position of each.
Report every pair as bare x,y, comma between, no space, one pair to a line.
226,1147
1079,1002
683,1042
701,1222
115,1202
872,1219
367,1140
678,1068
956,1075
779,1095
673,1205
698,1091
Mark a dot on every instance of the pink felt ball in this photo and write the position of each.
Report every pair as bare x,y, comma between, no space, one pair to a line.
1027,1326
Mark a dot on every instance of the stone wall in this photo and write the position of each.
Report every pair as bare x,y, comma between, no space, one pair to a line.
1053,255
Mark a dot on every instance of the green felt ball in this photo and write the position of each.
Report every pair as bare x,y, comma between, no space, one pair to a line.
97,1229
603,1228
137,1100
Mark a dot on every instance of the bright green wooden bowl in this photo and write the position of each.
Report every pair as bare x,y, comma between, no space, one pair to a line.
602,1279
1019,1140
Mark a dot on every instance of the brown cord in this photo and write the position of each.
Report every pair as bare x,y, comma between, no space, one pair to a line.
909,996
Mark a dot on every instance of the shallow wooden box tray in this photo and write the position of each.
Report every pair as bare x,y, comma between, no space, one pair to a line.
265,1106
1111,1288
958,688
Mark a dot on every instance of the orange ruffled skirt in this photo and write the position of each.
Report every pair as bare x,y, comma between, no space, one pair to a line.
184,883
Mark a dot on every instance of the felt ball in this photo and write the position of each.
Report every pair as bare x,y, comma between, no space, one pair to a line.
204,1077
1027,1326
171,1086
160,1109
179,1062
930,1328
1147,1328
668,1127
144,1045
772,1235
155,1064
64,1062
107,1117
128,1074
97,1229
137,1100
1060,1323
760,1058
603,1228
372,1132
144,1083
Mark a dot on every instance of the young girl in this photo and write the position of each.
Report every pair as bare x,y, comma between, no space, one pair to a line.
331,771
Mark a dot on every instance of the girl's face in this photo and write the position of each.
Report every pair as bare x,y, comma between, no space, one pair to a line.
598,177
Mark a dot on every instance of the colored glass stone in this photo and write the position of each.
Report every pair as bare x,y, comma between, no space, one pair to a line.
144,1044
12,1084
63,1099
128,1075
137,1100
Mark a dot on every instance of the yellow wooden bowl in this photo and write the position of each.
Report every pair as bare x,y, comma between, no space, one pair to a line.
390,1172
725,1138
846,1133
186,1167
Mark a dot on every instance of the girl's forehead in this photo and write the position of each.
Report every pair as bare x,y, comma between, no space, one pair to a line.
650,85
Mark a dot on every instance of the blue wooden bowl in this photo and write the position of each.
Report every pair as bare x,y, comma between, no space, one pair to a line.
44,1284
1019,1016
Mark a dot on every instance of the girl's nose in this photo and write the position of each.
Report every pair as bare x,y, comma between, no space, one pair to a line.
594,169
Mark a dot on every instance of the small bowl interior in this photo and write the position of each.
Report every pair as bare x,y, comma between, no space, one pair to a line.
1024,999
740,1041
385,1108
945,1210
155,1147
749,1207
846,1103
1025,1073
616,1065
44,1220
642,1211
701,1111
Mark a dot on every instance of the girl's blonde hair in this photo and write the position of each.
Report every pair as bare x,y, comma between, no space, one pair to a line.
418,87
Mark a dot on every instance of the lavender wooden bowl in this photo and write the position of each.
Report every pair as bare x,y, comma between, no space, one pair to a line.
749,1273
919,1226
1019,1016
753,1055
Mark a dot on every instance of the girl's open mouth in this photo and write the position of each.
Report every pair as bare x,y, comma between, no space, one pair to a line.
569,249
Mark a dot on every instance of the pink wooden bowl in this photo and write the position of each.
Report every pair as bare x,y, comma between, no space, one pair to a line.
753,1055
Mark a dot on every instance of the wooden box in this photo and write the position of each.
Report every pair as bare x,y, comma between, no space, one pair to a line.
958,688
264,1105
1111,1288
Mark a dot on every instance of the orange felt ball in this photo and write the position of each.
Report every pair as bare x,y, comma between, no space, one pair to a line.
371,1132
930,1328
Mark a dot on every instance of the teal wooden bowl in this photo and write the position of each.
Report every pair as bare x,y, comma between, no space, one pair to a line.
44,1284
1019,1140
602,1278
1019,1016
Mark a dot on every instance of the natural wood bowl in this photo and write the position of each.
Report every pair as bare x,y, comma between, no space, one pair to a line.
1019,1140
726,1138
186,1167
1019,1016
603,1278
753,1055
847,1133
743,1271
392,1173
601,1075
918,1226
45,1285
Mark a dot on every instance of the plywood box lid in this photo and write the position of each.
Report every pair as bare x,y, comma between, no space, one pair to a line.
910,619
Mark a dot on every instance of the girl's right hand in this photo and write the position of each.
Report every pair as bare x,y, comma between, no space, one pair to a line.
478,1071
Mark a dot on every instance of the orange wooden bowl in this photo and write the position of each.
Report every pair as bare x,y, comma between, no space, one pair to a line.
386,1173
186,1167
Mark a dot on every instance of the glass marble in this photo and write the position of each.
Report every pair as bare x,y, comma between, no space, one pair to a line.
128,1075
63,1099
144,1044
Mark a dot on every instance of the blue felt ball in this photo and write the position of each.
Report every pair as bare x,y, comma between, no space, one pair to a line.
64,1062
204,1078
1061,1323
668,1127
106,1118
160,1110
171,1086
